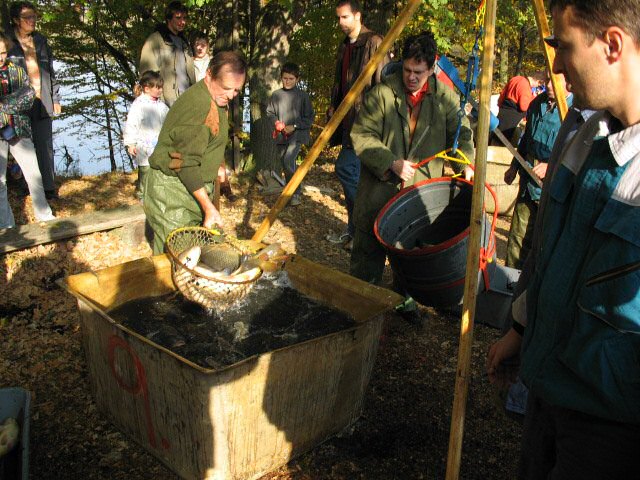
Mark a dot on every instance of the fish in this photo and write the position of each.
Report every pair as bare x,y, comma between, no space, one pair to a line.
190,257
239,277
269,259
220,258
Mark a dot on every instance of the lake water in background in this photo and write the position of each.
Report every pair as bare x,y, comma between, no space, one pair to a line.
90,148
88,143
83,141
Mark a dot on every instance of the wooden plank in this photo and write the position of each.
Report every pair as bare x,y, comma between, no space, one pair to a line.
33,234
549,55
523,163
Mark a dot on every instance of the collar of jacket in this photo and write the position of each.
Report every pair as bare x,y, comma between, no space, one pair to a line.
395,83
37,37
165,33
362,39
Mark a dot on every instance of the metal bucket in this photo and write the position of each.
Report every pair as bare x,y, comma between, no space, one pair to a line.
425,230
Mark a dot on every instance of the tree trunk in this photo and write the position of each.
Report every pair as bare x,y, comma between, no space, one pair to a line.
4,14
378,15
522,46
504,62
112,157
236,105
272,26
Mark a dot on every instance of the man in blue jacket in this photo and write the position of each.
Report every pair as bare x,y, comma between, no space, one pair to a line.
578,321
543,124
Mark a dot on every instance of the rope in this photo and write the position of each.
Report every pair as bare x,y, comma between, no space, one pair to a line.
473,68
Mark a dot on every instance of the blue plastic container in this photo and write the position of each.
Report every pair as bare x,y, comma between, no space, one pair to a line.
16,403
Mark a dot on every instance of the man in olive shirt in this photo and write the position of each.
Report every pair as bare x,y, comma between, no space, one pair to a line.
190,149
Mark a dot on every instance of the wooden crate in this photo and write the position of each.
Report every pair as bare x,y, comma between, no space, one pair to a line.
498,161
247,419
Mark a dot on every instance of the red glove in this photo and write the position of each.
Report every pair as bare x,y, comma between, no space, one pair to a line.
278,129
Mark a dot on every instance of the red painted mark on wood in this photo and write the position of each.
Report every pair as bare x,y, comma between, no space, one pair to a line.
137,389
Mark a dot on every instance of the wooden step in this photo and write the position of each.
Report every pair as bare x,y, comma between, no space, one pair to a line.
131,218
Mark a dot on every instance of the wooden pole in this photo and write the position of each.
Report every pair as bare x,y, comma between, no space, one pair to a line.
550,55
473,254
359,85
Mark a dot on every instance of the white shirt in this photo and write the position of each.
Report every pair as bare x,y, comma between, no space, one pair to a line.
143,125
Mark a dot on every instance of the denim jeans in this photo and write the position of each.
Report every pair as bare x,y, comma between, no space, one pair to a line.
348,172
288,154
562,444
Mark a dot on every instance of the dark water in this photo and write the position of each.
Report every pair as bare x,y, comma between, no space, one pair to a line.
273,315
442,229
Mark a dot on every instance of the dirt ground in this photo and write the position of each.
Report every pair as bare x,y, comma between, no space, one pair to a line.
402,433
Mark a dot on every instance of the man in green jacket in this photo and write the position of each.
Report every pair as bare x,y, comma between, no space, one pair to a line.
190,150
408,117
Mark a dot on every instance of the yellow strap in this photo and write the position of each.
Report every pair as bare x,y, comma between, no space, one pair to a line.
480,14
444,155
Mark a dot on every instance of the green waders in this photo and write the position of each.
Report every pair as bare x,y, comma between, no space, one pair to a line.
169,205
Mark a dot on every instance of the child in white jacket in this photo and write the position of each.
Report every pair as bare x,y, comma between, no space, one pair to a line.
144,121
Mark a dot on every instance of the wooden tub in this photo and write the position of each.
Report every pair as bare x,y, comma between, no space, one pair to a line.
244,420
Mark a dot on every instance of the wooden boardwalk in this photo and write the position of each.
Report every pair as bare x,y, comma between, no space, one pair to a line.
129,218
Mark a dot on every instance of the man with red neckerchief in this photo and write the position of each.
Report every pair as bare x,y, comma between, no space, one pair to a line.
394,115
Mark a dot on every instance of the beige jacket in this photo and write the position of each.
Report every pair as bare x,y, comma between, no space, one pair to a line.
159,54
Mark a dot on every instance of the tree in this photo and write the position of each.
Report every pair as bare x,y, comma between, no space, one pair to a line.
99,42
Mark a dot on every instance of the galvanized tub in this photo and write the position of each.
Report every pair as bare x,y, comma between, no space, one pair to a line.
244,420
425,230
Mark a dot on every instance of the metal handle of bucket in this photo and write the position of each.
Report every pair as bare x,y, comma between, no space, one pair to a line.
485,254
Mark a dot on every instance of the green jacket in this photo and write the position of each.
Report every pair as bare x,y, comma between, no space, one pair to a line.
184,131
380,136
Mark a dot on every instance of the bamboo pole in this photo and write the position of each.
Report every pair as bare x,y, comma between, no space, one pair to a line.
550,55
473,253
359,85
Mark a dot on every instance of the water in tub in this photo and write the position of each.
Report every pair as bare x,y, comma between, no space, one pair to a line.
271,316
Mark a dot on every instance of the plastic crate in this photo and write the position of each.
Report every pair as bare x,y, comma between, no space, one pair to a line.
15,403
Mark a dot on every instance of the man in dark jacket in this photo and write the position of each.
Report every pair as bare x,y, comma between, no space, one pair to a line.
577,323
354,53
31,51
167,51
